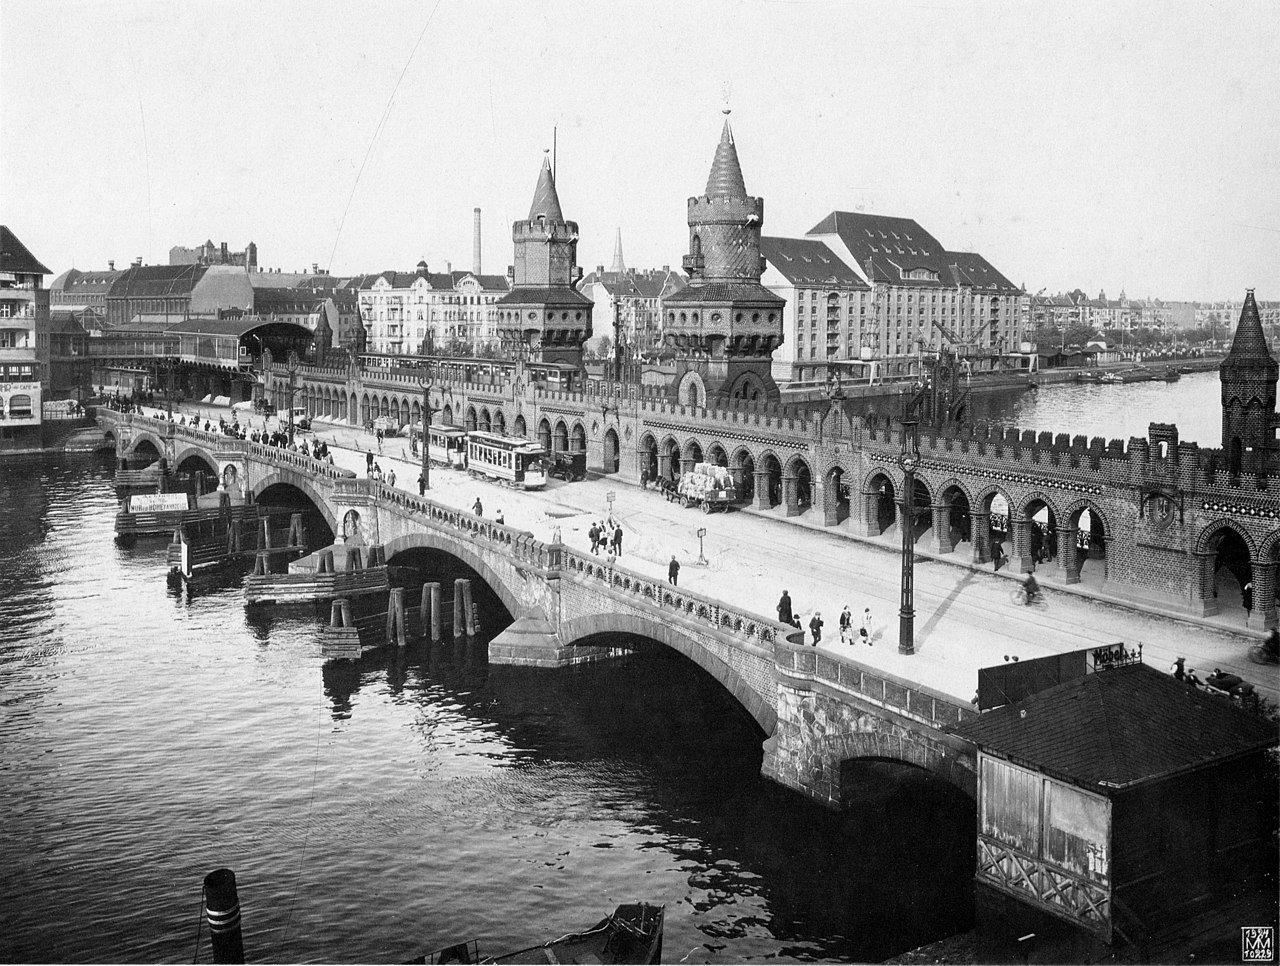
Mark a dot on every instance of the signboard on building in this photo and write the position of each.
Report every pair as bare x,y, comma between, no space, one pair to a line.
154,502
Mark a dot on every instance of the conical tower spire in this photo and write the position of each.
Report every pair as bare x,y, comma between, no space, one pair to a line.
1250,342
546,203
618,267
726,174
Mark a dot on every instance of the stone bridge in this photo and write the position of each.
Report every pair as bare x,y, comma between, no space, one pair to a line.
815,711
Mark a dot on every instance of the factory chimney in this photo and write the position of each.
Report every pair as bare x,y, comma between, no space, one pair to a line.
475,246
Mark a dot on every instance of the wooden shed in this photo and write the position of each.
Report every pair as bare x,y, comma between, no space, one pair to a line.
1122,801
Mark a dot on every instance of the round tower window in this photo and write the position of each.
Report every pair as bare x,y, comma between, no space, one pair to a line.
738,317
533,316
683,317
755,316
715,316
695,318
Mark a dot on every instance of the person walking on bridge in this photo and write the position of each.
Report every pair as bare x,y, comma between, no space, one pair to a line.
846,624
477,508
865,631
673,571
784,608
815,627
594,535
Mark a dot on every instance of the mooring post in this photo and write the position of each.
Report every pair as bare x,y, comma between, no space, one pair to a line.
459,614
222,907
436,615
264,541
345,611
377,556
297,536
335,612
468,609
353,559
261,564
395,617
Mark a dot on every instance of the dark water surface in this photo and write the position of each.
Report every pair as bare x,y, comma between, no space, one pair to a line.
378,809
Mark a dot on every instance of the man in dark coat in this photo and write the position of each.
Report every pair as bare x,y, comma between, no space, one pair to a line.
673,570
594,534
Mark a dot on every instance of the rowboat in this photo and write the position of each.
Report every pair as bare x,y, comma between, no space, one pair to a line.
632,934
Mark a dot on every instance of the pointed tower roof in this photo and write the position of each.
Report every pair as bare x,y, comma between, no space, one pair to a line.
1250,342
726,173
546,203
618,266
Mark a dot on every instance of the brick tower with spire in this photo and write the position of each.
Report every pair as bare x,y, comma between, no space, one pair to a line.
1248,375
544,318
725,325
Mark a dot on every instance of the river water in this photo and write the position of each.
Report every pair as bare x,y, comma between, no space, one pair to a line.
379,809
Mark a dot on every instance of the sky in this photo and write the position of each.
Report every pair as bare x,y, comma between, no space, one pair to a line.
1106,146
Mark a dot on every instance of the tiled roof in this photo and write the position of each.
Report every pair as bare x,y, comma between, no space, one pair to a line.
725,292
15,257
641,285
1118,727
549,295
808,261
887,248
90,283
1249,342
726,173
151,281
546,202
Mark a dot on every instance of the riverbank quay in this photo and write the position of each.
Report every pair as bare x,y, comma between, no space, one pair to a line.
965,617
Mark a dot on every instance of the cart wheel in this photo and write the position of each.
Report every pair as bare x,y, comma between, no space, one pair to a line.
706,508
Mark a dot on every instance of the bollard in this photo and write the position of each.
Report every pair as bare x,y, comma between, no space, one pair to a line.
297,535
261,565
335,612
199,485
377,556
436,615
353,559
222,908
468,609
459,615
326,562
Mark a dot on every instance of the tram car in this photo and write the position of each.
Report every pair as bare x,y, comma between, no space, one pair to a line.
447,445
512,459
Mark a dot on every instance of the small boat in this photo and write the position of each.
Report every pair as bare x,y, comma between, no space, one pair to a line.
1111,378
632,934
1172,374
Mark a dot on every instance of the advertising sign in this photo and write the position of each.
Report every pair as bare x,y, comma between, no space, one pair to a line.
153,502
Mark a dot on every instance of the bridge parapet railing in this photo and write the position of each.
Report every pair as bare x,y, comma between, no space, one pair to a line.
908,698
711,613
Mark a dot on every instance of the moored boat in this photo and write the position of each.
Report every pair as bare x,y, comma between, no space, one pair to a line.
631,934
1172,374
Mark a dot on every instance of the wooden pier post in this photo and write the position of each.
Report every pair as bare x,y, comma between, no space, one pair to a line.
261,564
264,539
432,616
353,559
459,615
297,535
395,617
377,556
222,907
468,609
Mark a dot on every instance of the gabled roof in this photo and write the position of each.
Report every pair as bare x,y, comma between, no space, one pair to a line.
807,261
546,203
886,248
971,269
1119,727
15,256
726,173
1249,343
633,284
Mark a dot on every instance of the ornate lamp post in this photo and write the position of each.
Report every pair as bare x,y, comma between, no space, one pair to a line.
292,366
909,461
425,382
168,394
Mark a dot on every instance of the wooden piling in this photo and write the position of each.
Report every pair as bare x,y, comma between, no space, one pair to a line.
377,556
222,908
459,615
353,559
297,535
437,615
261,564
264,538
395,617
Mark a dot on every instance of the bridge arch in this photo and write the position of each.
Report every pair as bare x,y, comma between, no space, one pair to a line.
197,453
877,746
669,634
462,551
154,441
473,422
299,482
1225,554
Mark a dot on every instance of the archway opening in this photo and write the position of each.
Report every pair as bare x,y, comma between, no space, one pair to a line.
518,427
1041,535
1088,549
804,485
499,422
773,478
486,421
611,458
143,454
716,455
578,440
837,497
195,475
744,475
649,457
421,565
959,520
671,450
691,457
472,422
883,504
561,437
921,509
997,505
1232,570
446,415
544,435
282,501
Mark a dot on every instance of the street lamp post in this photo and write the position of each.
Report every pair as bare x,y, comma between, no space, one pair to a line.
292,366
168,394
909,461
425,382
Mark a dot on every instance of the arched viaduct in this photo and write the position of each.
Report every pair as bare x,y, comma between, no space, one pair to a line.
814,712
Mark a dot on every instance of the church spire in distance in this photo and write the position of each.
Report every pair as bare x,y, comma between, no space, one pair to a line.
619,267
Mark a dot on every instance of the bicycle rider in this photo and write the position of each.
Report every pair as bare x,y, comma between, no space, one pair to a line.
1031,588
